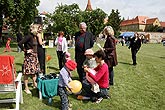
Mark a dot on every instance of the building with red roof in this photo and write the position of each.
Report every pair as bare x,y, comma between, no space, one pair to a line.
162,26
139,23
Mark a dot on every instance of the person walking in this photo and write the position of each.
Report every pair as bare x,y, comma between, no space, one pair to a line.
62,48
83,41
135,44
110,51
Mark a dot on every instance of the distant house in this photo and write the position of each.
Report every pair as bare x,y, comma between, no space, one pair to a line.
140,23
162,26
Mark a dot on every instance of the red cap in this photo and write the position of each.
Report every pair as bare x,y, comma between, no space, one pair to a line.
71,65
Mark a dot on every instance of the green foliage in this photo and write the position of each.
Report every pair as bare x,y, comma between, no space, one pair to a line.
114,20
66,18
139,87
18,12
152,28
94,20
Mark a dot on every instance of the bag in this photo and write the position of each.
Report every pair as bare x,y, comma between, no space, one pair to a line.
95,88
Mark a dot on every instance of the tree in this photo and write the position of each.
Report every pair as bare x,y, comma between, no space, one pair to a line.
94,20
66,18
114,20
17,13
152,28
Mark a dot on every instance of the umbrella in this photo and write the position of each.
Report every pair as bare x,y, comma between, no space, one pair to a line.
126,34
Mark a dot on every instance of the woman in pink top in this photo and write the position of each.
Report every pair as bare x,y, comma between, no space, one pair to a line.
62,48
101,78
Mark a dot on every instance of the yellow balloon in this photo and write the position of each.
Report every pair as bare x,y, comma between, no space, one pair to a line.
76,86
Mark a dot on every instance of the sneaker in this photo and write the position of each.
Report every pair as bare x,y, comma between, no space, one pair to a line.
80,97
28,91
99,100
107,97
70,106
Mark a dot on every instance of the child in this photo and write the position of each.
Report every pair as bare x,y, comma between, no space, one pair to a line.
7,49
64,79
89,61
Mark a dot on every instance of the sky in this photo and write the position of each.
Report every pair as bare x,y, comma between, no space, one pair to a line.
128,8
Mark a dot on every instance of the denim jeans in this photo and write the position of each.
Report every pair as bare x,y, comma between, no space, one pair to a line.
89,93
64,98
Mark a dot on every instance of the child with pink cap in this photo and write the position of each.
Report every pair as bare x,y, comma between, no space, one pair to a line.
90,60
90,63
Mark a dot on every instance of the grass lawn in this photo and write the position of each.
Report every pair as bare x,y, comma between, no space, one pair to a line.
140,87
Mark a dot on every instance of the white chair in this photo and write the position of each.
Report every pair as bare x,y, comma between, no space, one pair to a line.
9,83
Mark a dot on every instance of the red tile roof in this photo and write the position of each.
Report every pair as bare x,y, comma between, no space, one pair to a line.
43,13
151,21
138,20
162,24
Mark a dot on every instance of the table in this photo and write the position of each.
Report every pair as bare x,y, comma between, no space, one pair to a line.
47,87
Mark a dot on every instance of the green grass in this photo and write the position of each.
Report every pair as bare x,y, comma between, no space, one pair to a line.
140,87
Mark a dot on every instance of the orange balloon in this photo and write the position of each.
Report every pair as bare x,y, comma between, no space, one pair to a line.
48,57
75,85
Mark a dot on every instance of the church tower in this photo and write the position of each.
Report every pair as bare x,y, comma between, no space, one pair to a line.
89,7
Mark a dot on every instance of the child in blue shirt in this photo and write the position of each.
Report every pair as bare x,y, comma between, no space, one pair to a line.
64,79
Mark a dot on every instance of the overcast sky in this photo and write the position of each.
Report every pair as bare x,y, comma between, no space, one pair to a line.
127,8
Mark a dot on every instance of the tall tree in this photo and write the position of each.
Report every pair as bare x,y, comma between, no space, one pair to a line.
94,20
17,13
114,20
66,18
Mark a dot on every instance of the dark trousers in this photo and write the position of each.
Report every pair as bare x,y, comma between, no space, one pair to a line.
41,58
80,58
134,52
60,56
89,93
111,75
62,92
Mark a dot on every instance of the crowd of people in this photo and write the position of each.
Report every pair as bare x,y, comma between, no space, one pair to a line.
95,86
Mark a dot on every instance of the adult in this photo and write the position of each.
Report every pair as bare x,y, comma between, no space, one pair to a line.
37,32
122,41
83,41
110,51
31,65
135,44
101,78
19,38
62,48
